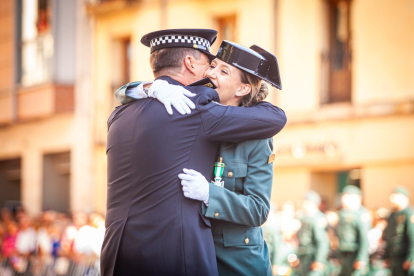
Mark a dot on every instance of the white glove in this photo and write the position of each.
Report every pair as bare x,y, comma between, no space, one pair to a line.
170,94
195,185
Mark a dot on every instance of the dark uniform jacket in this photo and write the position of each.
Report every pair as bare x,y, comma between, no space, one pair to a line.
352,234
399,236
152,229
314,243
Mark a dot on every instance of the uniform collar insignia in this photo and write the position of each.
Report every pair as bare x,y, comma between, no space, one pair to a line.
204,82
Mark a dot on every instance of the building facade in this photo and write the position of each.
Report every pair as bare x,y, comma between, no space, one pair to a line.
45,106
347,73
347,70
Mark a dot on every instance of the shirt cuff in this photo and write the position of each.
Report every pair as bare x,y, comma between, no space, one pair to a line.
137,92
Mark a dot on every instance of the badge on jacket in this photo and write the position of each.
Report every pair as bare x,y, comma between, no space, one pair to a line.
218,173
271,158
400,219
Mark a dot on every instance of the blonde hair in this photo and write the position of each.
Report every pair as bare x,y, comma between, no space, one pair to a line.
259,91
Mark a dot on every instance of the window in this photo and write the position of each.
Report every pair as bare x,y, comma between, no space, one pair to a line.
226,27
121,69
36,42
330,184
56,182
10,183
336,60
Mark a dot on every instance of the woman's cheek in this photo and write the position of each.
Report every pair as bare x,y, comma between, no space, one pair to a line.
206,72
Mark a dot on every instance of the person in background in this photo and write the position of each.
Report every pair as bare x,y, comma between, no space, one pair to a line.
399,234
313,239
26,240
289,223
71,232
272,234
352,234
377,244
43,235
9,239
2,233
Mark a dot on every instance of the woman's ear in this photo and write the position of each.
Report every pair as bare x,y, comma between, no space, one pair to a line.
243,90
189,65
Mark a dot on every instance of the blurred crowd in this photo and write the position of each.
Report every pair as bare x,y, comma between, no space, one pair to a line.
303,239
50,244
306,239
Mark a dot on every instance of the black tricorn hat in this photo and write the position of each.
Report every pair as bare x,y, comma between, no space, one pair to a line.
253,60
200,39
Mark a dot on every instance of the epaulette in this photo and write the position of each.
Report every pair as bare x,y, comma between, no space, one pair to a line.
204,82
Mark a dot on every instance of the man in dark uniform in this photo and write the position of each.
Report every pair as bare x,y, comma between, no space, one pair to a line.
152,229
399,234
352,234
313,239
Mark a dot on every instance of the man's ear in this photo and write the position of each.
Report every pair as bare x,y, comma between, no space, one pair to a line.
243,90
189,64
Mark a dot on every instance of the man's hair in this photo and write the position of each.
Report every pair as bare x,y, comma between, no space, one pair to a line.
171,58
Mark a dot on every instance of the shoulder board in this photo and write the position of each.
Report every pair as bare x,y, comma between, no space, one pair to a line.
204,82
412,219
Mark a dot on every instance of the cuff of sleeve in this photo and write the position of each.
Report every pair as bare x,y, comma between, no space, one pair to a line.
139,90
155,87
213,205
206,200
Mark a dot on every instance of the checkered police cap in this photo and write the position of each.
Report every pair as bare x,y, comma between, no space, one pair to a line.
200,39
187,41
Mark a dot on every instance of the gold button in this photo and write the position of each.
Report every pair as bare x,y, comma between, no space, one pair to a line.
216,214
195,46
230,174
246,241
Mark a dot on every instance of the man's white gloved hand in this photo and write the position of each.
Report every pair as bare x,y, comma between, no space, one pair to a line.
195,185
174,95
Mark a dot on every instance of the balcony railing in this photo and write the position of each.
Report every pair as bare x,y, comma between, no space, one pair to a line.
37,61
98,7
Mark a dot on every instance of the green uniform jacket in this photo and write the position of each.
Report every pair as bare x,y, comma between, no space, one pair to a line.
352,234
313,238
399,235
273,237
239,209
314,242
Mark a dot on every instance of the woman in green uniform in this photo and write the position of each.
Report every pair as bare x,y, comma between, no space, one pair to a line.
238,209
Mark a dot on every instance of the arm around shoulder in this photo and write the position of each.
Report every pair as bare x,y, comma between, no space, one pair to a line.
237,124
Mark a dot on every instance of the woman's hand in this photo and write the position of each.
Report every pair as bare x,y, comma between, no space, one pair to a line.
195,185
174,95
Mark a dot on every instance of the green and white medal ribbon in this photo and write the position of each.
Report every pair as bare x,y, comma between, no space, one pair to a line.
218,173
